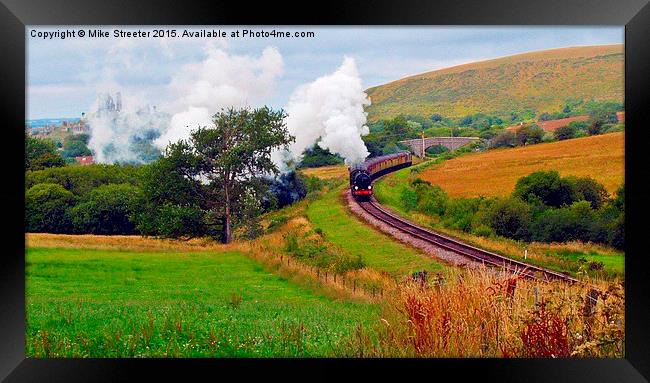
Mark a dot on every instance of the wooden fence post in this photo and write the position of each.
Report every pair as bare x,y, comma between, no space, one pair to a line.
589,310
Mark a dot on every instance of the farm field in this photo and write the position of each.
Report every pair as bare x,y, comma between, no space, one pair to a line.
327,172
564,257
123,303
495,173
378,250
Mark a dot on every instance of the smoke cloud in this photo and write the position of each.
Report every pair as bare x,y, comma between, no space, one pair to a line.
330,109
198,91
120,130
220,81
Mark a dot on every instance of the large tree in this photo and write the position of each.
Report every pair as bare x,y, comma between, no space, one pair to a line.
228,159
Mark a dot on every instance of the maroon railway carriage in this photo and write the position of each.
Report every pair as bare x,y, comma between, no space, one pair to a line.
362,175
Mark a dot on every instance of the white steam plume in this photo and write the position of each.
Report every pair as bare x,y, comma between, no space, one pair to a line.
220,81
329,108
198,91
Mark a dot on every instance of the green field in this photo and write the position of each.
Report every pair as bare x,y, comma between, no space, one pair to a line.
378,250
99,303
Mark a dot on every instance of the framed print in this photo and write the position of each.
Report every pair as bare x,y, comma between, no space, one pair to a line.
366,187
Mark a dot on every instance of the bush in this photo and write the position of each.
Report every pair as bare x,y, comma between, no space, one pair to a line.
510,218
595,128
46,208
460,213
529,135
575,222
41,154
409,198
589,190
565,132
503,139
547,187
316,156
431,200
80,180
108,209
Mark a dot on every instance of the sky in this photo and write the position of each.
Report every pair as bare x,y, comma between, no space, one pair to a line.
64,76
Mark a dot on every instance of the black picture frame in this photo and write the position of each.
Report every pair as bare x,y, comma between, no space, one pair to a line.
15,15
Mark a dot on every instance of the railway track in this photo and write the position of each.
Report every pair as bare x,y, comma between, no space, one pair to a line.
451,244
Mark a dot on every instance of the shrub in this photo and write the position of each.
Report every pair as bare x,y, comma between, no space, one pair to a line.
107,209
460,213
529,135
41,154
316,156
590,190
565,132
80,180
548,187
46,208
575,222
503,139
510,218
596,127
409,198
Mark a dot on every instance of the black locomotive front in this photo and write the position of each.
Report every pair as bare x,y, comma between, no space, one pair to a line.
362,175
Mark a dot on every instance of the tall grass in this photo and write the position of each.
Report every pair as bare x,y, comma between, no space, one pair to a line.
479,314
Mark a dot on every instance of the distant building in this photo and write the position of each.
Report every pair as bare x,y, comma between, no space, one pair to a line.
85,160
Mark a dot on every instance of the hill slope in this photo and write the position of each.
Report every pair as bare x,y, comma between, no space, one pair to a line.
541,81
495,172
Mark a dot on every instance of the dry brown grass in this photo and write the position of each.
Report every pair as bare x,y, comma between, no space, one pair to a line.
122,243
327,172
478,314
495,173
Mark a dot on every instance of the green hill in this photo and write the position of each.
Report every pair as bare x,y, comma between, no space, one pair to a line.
541,81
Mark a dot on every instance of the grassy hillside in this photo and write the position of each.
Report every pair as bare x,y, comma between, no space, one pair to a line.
542,81
494,173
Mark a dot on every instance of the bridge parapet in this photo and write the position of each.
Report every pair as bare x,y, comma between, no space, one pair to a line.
419,145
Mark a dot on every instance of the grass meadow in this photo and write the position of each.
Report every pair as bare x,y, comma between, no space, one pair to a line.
107,303
379,251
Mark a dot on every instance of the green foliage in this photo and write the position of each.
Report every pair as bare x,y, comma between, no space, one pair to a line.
231,154
595,128
409,199
546,186
46,208
172,205
589,190
575,222
510,217
431,199
316,252
41,154
529,135
80,180
107,209
316,156
503,139
76,145
565,132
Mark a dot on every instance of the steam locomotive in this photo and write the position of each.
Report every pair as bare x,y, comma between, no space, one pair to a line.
362,175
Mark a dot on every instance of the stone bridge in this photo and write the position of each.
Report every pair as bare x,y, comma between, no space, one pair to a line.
419,145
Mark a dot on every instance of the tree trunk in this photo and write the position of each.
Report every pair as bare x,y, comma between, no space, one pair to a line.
227,234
